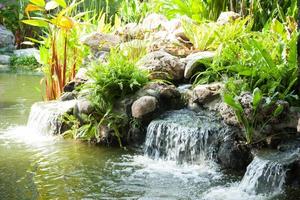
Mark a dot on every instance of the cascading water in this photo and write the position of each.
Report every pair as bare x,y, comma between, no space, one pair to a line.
185,136
267,172
44,116
263,176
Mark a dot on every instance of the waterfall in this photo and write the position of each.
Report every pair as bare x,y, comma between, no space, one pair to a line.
263,176
44,116
185,136
267,172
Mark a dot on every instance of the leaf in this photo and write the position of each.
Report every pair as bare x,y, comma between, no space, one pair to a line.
257,97
228,99
40,3
62,3
31,8
278,110
64,22
36,22
51,5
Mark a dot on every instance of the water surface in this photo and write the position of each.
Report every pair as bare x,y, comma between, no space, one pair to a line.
36,166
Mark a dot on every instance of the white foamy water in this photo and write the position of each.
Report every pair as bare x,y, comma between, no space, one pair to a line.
44,116
27,136
232,192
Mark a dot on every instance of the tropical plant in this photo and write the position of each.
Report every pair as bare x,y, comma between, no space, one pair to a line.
112,82
133,10
266,60
61,53
209,36
198,10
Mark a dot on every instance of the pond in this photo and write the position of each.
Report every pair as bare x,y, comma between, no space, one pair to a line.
37,166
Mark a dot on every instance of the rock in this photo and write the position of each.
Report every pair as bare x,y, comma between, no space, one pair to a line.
144,106
84,106
162,65
234,156
7,38
153,22
226,17
194,60
167,42
70,86
131,31
4,60
81,75
100,41
228,114
30,52
206,93
67,96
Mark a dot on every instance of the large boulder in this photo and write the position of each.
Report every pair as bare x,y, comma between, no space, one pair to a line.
206,93
144,106
100,41
7,38
194,60
162,65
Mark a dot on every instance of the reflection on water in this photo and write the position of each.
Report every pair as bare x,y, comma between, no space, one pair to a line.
17,93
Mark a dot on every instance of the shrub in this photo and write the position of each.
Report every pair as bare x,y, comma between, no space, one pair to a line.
24,63
112,81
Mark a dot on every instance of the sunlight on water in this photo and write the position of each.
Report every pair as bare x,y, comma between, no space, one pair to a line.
28,136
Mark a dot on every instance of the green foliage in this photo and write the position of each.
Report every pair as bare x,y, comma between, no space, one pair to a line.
60,50
24,63
266,60
197,10
209,36
133,10
112,81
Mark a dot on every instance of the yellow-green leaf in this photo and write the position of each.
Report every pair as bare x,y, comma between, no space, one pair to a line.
36,22
51,5
62,3
40,3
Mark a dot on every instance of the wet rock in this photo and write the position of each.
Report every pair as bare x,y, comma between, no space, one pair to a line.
226,17
7,38
84,106
67,96
100,41
194,60
206,93
144,106
234,156
162,65
4,60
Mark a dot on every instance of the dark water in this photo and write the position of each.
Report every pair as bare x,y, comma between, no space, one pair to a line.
35,166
